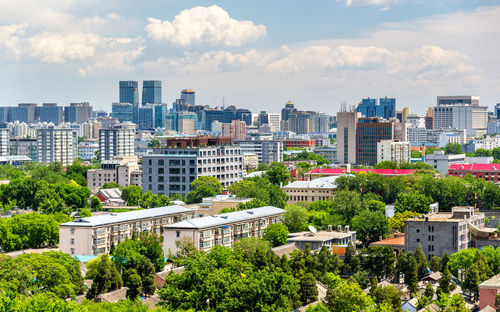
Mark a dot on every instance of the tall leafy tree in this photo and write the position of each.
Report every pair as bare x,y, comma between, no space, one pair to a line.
276,234
370,226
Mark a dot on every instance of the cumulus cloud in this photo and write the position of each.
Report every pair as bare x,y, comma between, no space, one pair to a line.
9,36
211,25
57,48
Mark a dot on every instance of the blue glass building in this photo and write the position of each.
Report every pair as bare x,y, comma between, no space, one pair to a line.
371,108
123,111
129,93
151,92
49,112
146,118
188,96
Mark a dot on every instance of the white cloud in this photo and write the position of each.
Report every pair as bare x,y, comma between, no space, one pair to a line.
379,3
211,25
57,48
9,36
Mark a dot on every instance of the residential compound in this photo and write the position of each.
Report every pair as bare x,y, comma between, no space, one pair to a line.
124,170
56,144
94,235
118,140
223,229
442,232
310,191
170,170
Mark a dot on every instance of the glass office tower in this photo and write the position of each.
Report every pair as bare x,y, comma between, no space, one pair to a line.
151,92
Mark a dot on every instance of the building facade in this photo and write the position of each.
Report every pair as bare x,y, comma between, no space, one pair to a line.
488,172
171,170
370,131
310,191
4,142
56,144
129,93
117,141
223,229
442,232
397,152
151,92
267,150
346,136
441,161
124,170
93,236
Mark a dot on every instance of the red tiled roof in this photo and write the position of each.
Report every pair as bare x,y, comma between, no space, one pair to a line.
475,167
396,240
376,171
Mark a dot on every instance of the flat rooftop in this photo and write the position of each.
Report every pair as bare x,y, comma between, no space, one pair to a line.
128,216
320,236
226,218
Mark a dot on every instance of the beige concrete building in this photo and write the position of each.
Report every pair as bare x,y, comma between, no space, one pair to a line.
56,144
346,136
223,229
124,170
117,141
94,235
397,152
213,205
309,191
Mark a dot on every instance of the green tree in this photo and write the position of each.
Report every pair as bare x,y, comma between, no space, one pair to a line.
276,234
95,204
317,308
111,185
203,187
453,148
254,203
362,279
387,165
397,223
308,290
421,261
412,201
347,204
295,218
472,281
435,264
375,205
84,213
134,285
497,302
347,297
104,275
444,282
429,291
388,295
132,194
369,226
277,173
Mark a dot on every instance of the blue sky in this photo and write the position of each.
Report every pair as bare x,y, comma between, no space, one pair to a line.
254,54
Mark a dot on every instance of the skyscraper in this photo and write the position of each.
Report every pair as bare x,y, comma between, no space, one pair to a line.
151,92
78,112
346,136
57,144
188,95
370,108
117,141
387,108
129,93
123,111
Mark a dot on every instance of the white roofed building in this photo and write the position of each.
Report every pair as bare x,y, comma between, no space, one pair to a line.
309,191
223,229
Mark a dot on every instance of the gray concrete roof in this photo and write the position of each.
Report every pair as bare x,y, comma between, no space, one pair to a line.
324,183
226,218
128,216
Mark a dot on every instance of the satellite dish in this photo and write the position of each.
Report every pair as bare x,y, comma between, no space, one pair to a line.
312,229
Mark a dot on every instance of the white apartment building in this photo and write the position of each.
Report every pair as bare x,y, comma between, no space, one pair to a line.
415,121
87,150
118,140
267,150
441,161
274,121
488,143
93,236
474,119
56,144
4,142
223,229
397,152
438,137
186,126
124,170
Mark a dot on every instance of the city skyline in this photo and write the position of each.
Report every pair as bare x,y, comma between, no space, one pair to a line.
255,55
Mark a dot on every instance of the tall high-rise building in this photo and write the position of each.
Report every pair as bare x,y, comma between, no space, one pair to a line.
4,142
386,108
370,131
78,112
460,112
497,110
56,144
146,117
49,112
458,100
123,111
188,95
151,92
118,140
346,136
129,93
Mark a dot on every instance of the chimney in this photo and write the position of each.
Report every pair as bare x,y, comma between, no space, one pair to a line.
339,228
347,229
380,238
330,228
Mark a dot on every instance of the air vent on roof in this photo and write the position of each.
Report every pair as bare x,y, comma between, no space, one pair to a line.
114,214
223,217
250,212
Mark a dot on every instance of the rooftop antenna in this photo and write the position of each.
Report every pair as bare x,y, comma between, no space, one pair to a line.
343,106
312,229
